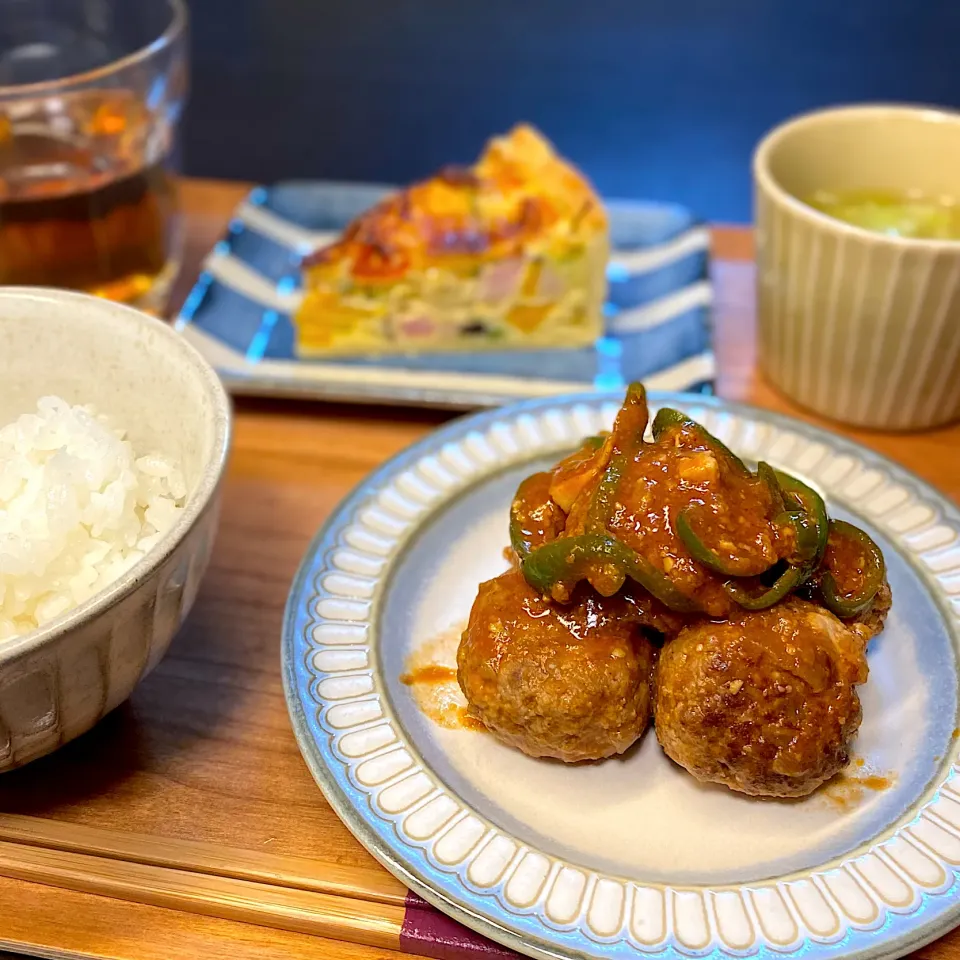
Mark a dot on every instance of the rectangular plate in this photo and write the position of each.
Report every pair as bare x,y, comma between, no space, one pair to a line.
239,313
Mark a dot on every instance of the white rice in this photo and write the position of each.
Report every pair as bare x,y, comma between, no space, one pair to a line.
77,509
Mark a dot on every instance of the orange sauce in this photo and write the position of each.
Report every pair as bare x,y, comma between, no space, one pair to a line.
431,675
846,791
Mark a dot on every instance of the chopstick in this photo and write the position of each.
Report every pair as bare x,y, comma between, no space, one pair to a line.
367,922
360,883
360,905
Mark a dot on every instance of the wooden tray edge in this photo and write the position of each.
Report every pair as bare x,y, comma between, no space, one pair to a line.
325,915
370,884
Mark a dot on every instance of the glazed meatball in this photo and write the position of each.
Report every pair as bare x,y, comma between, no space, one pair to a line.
765,703
570,682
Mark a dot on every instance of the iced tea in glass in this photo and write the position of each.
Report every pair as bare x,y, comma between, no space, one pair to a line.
90,95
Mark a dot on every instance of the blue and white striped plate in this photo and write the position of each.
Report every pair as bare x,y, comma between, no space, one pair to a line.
238,314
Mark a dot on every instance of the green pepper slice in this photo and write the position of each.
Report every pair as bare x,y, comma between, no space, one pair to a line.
567,561
768,476
518,536
604,496
849,605
627,435
726,566
805,531
806,536
808,513
595,443
526,531
667,417
790,579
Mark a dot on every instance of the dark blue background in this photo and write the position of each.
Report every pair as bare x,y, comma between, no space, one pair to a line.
661,99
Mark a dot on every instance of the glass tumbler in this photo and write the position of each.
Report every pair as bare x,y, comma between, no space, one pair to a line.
91,92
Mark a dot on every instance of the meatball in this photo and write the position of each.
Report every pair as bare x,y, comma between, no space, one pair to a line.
570,682
765,703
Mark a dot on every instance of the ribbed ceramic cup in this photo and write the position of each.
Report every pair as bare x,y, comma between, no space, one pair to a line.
858,326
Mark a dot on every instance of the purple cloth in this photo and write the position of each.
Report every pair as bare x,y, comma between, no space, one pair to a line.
429,933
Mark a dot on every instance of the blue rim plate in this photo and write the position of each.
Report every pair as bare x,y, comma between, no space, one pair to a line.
632,855
239,313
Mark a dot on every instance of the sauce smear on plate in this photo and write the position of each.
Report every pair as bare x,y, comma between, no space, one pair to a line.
431,675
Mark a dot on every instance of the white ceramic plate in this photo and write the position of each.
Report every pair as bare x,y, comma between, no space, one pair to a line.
629,855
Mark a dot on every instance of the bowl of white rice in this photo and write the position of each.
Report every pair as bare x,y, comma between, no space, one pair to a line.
114,435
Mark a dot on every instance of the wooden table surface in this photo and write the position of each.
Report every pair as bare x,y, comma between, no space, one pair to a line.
195,788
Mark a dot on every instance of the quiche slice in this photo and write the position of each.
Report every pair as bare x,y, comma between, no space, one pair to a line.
511,252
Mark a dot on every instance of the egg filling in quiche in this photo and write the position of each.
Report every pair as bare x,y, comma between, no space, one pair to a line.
511,252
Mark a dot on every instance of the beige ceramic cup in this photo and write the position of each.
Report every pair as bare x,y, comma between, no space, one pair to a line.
858,326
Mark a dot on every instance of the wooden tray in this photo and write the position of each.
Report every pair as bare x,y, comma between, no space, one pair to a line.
187,824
